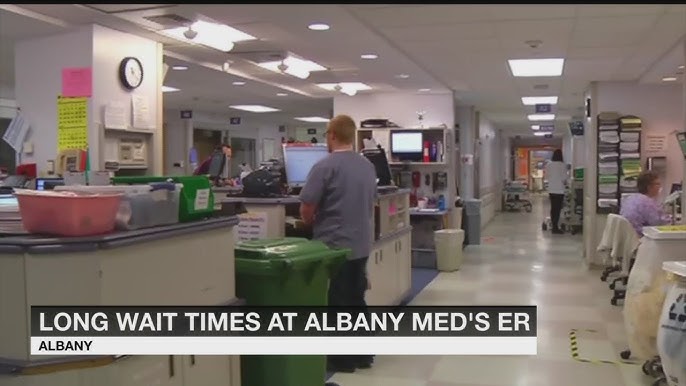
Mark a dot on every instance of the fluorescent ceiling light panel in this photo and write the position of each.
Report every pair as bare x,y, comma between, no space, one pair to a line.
536,67
255,108
535,127
669,79
541,117
547,100
318,27
281,94
402,76
300,68
180,68
169,89
349,88
313,119
218,36
424,89
239,83
369,56
542,133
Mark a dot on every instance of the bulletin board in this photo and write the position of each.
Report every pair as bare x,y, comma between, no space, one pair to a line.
72,123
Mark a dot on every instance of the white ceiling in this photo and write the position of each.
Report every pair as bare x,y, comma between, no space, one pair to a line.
463,48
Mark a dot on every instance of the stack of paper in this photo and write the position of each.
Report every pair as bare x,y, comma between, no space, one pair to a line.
10,218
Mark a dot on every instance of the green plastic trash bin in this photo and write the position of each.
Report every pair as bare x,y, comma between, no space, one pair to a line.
285,272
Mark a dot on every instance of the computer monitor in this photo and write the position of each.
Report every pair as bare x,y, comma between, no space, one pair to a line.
675,188
48,183
407,145
299,159
378,158
217,164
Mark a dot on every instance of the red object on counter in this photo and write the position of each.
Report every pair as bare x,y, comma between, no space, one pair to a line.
27,170
70,216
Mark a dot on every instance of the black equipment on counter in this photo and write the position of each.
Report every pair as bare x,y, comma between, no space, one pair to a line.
261,183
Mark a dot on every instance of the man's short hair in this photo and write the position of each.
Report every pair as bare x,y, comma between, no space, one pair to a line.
645,179
343,127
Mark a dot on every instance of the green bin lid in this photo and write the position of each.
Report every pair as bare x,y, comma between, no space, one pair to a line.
286,248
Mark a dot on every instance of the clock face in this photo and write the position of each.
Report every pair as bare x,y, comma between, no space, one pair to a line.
131,73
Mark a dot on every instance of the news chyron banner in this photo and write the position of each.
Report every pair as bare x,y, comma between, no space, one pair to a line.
283,330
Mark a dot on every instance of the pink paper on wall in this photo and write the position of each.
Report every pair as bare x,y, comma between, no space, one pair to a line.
77,82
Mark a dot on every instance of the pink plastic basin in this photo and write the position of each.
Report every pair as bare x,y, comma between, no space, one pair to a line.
73,216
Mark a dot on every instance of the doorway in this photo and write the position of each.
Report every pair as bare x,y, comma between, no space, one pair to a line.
242,151
205,141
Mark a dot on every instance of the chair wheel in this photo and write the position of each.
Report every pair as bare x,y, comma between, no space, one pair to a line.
613,301
612,285
544,226
626,354
645,369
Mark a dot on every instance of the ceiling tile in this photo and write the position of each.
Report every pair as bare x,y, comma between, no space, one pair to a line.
428,15
532,12
612,31
602,10
444,33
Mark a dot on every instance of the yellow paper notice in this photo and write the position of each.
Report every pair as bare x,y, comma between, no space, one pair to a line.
72,123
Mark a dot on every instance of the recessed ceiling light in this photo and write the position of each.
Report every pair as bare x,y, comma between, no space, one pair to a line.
319,27
169,89
313,119
530,101
424,89
349,88
369,56
669,79
541,117
681,67
180,68
536,67
239,83
535,127
218,36
281,94
255,108
300,68
402,76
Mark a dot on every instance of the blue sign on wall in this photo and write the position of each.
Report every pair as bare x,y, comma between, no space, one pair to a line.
235,120
186,114
544,109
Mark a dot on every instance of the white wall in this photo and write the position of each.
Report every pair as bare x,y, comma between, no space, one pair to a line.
109,48
399,108
38,72
38,78
490,169
567,150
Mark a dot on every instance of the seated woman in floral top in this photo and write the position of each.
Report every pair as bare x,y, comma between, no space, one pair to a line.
643,209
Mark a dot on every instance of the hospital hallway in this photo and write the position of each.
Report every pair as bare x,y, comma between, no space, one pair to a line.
519,264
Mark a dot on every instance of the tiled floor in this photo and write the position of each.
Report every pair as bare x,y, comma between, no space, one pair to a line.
520,264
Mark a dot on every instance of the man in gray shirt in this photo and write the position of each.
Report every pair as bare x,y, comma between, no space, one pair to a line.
338,200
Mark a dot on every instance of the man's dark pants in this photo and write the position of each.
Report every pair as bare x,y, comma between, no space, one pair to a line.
348,288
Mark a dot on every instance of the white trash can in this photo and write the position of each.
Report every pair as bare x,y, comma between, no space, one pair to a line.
671,336
448,249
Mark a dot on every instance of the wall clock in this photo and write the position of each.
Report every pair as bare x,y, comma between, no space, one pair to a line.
131,73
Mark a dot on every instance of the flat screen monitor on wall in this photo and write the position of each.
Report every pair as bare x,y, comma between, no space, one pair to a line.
299,159
407,145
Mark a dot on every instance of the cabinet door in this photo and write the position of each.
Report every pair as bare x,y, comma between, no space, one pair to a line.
390,276
374,296
404,265
207,370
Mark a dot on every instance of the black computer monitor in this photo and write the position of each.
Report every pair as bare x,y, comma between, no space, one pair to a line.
675,188
48,183
378,158
299,158
217,164
407,145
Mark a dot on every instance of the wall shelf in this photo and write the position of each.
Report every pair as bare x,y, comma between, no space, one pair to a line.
132,131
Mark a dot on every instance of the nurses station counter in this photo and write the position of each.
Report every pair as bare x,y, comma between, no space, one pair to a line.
187,263
390,262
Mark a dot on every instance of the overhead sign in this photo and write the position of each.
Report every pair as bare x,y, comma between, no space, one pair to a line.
235,120
546,128
544,109
186,114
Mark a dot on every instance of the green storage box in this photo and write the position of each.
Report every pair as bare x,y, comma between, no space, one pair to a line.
579,174
285,272
196,200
